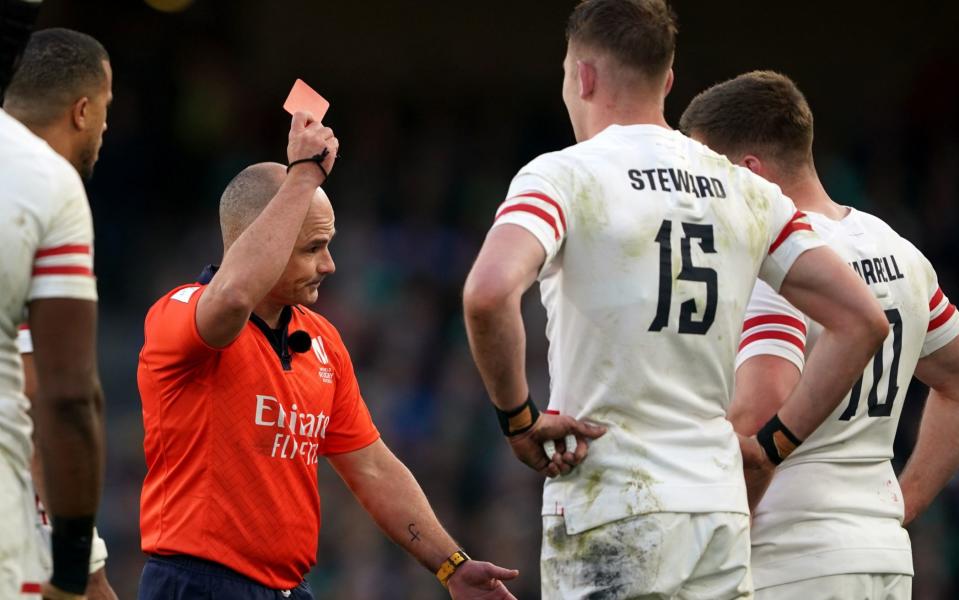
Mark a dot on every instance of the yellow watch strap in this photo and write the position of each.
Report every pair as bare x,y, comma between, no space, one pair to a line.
450,565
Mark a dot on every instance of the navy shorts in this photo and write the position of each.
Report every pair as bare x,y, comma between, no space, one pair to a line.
188,578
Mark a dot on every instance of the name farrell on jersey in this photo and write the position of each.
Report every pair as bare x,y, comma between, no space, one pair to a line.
884,269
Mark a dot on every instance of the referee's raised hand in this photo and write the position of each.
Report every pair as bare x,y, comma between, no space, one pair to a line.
311,142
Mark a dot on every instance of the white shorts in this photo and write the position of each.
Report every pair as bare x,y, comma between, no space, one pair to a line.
24,559
861,586
659,555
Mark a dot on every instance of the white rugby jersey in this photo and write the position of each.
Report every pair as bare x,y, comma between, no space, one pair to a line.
835,505
47,234
653,243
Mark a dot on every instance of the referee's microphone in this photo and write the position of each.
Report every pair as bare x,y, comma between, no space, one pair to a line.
299,341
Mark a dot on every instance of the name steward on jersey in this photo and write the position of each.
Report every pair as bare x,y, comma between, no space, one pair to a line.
298,429
875,270
676,180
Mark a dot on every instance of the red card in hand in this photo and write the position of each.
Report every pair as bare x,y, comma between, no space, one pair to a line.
304,98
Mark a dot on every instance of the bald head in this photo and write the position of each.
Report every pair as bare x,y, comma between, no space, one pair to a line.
246,196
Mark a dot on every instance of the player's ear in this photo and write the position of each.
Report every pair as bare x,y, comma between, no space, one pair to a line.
754,164
80,113
669,82
586,76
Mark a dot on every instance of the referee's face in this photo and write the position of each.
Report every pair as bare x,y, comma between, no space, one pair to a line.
311,260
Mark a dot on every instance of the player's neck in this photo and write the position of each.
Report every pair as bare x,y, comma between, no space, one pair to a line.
61,142
808,193
636,114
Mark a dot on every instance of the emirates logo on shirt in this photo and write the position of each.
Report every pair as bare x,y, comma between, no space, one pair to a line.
298,430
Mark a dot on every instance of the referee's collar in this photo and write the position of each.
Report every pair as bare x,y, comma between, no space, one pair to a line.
206,275
278,337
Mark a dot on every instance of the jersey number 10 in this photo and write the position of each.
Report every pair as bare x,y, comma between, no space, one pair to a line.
689,272
877,409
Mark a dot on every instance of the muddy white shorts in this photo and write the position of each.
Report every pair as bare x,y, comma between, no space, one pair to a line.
658,555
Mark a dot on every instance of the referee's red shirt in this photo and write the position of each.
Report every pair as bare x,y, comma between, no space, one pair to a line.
233,436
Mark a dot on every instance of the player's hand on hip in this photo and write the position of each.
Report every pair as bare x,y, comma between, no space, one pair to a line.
758,470
52,592
481,581
557,432
308,138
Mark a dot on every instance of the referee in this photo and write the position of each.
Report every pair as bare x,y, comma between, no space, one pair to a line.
244,390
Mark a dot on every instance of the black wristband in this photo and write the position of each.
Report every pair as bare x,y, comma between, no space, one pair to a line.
518,420
317,159
777,440
71,541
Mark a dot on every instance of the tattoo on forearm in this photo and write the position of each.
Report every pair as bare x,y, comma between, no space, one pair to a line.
414,534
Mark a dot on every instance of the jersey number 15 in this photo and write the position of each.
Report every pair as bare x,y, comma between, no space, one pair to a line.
689,272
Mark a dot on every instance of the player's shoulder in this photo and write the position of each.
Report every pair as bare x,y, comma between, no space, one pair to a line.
874,224
31,160
882,231
558,166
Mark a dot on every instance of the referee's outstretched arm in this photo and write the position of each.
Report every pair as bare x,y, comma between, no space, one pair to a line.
390,494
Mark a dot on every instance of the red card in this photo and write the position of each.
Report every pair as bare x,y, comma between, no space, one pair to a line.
304,98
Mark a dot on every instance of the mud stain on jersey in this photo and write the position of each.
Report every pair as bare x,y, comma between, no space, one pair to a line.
589,207
593,486
756,228
636,246
640,496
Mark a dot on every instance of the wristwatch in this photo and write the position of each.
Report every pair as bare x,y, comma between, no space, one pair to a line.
450,565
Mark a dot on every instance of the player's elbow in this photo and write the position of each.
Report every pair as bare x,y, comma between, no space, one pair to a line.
869,326
484,296
73,400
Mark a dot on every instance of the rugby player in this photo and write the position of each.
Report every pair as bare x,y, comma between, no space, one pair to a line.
647,245
47,272
60,74
830,524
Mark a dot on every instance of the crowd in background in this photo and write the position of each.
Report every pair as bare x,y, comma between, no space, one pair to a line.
424,164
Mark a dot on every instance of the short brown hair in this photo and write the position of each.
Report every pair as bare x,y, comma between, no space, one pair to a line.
761,110
639,33
58,67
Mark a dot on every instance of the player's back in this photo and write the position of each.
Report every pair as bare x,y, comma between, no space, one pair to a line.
837,493
44,221
656,241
